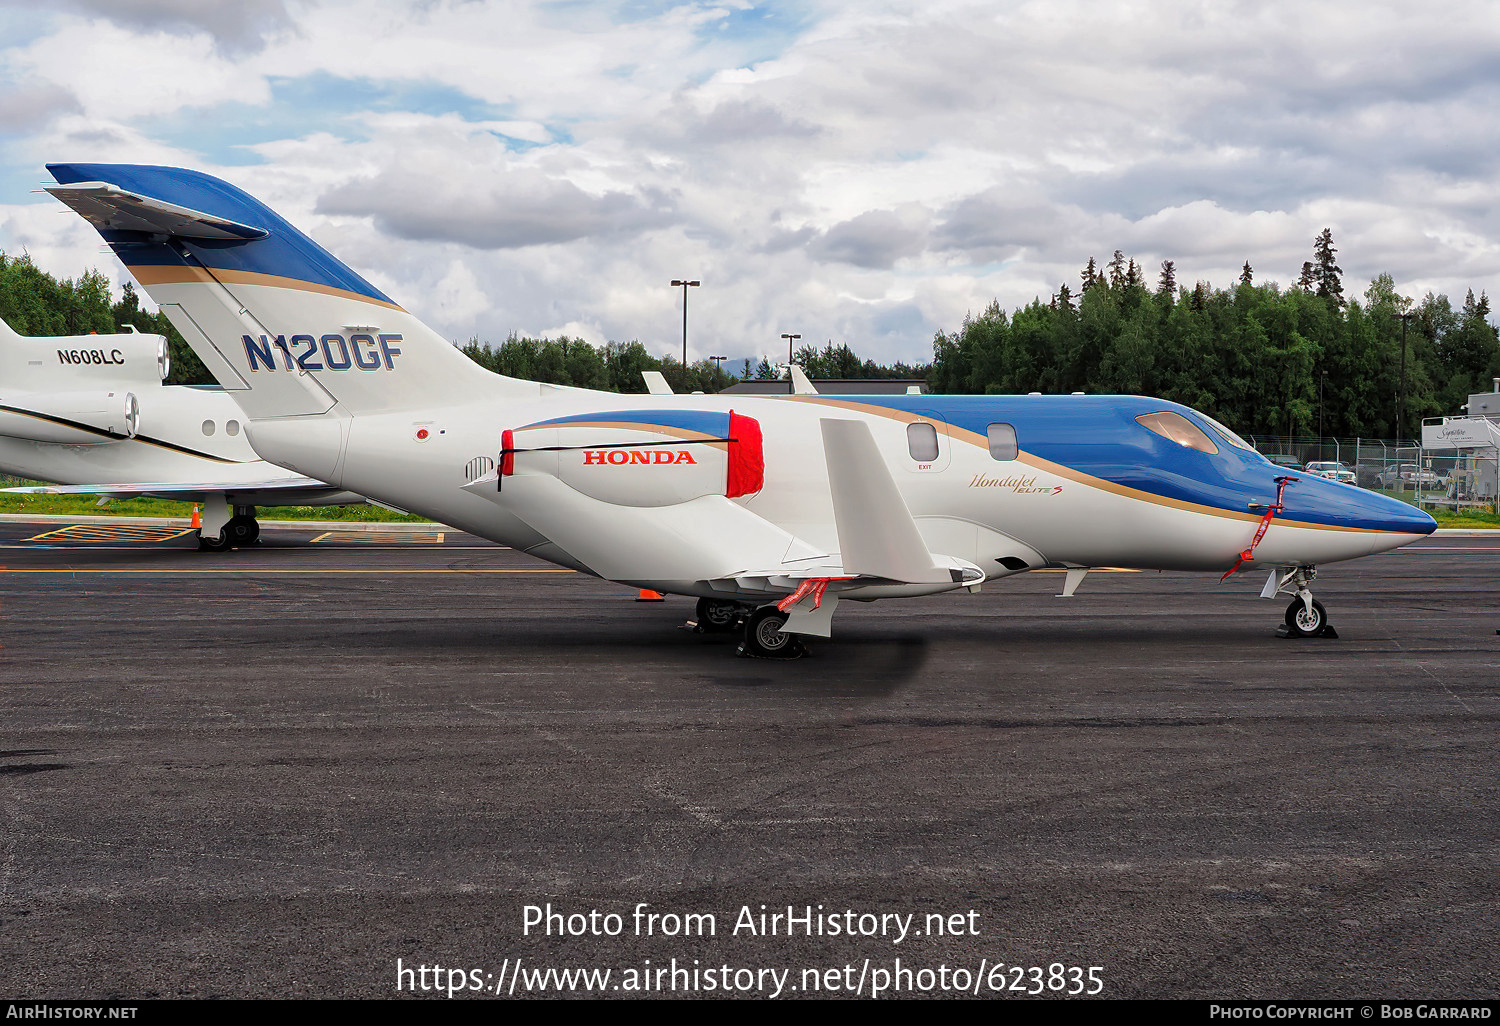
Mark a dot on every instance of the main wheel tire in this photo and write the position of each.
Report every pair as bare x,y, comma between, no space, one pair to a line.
764,636
221,543
242,530
1304,624
717,616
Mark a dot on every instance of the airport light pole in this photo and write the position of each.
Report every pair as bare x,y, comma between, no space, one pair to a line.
790,388
1401,397
685,286
1322,380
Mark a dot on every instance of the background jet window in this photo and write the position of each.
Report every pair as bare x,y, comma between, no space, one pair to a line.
921,442
208,427
1003,442
1179,429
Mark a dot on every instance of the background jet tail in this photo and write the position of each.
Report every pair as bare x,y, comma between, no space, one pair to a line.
280,322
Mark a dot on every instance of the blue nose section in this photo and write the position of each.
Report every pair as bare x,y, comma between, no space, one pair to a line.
1345,505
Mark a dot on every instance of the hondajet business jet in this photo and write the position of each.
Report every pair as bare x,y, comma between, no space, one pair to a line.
772,510
91,412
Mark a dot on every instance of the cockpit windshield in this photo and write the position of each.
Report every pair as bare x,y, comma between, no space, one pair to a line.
1229,436
1179,429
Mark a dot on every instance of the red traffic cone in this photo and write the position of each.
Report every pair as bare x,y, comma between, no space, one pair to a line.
647,595
196,522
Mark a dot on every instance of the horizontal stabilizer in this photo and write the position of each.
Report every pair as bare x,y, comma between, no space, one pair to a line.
110,208
877,535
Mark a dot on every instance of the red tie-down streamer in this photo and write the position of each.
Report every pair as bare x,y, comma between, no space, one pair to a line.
1260,532
814,586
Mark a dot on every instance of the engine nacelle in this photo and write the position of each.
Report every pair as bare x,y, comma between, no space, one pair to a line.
71,417
70,361
642,457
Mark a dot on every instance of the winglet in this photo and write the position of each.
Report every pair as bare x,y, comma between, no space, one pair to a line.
656,383
877,535
800,383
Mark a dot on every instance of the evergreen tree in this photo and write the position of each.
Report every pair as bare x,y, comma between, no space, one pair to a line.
1166,284
1247,276
1090,276
1326,273
1308,278
1117,270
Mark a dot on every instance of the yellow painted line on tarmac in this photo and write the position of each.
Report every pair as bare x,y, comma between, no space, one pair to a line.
92,532
383,537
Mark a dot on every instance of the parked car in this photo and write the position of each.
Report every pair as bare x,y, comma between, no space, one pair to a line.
1283,460
1401,476
1331,469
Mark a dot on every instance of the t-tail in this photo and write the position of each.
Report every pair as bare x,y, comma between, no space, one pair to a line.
281,323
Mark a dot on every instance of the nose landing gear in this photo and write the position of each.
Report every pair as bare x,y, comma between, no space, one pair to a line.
1305,617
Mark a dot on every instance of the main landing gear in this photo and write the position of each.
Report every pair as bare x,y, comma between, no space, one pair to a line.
764,637
1305,616
239,531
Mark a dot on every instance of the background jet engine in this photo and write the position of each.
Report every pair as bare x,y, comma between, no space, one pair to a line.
72,417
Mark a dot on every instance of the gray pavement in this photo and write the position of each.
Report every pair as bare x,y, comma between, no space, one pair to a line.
274,772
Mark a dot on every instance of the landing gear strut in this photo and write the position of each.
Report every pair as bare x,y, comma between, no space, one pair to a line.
718,616
243,529
220,535
1305,617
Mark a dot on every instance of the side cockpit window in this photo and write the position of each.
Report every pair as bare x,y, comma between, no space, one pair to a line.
921,442
1003,442
1229,436
1179,429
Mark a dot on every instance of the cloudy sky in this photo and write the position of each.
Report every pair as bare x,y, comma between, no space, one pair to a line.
865,172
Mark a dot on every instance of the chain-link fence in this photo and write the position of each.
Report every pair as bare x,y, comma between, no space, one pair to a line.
1434,476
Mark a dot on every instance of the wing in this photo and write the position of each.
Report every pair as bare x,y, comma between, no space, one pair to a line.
713,540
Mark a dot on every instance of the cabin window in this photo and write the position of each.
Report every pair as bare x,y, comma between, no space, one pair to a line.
1003,442
1179,429
232,428
921,442
208,427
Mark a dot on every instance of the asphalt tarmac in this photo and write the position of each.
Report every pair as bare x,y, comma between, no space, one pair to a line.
275,772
